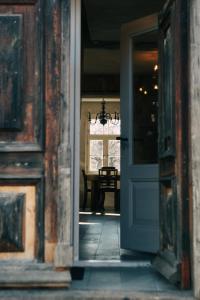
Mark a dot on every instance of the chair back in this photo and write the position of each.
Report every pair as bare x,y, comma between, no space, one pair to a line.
85,180
108,179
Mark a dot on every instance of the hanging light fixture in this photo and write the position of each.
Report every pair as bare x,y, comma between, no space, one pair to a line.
103,117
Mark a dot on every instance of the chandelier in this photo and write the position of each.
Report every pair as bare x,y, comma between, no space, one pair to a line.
103,117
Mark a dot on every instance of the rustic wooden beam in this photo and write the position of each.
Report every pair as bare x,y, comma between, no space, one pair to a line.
52,107
194,71
63,254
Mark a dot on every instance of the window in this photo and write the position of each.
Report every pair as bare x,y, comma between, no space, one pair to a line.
103,148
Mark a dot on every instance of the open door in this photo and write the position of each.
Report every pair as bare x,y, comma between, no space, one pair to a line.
173,258
140,190
139,157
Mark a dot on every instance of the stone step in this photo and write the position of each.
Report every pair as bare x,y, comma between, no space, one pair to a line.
58,294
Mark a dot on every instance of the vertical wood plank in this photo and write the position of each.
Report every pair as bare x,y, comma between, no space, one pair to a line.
63,255
11,71
194,71
52,107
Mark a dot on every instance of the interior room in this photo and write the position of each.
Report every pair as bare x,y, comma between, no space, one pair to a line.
101,122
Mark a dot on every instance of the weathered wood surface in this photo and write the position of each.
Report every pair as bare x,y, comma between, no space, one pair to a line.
21,165
10,71
21,96
12,210
63,254
52,116
174,200
194,71
22,141
29,149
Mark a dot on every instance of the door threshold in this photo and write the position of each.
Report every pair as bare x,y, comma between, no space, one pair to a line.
111,263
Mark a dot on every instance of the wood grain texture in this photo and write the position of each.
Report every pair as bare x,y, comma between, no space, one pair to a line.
27,80
52,116
10,71
29,193
21,165
63,253
174,204
194,71
12,222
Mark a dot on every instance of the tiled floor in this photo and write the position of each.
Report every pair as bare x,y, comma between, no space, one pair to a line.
100,240
135,279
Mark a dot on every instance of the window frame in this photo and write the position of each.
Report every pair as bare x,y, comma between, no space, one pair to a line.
105,138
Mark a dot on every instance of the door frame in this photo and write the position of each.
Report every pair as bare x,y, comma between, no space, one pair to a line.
75,94
74,97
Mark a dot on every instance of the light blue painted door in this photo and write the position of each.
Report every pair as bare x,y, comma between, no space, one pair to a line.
139,159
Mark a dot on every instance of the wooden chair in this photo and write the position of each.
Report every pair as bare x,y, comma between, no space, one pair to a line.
86,189
107,182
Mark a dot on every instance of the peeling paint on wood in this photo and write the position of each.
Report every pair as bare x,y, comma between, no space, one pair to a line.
21,121
10,71
52,107
12,216
194,71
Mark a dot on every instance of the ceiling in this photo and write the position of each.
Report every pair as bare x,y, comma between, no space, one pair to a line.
102,21
105,17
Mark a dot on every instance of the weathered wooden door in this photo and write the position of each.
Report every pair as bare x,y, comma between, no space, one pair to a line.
173,258
139,160
21,131
30,43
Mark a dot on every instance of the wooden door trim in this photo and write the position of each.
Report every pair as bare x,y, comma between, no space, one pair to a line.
175,253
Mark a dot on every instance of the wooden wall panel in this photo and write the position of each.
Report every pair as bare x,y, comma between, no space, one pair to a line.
25,222
22,127
52,129
10,71
21,117
29,151
12,222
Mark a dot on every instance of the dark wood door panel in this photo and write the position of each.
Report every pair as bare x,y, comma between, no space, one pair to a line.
21,165
21,92
21,130
174,255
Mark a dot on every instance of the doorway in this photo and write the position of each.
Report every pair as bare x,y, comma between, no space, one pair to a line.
105,145
142,173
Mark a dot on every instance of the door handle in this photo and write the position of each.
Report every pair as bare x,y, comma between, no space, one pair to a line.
122,139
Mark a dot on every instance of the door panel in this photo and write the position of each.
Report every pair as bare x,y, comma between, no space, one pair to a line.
139,168
21,131
21,77
173,258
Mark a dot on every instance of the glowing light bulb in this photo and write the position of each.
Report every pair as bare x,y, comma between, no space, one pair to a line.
140,89
155,67
145,92
155,87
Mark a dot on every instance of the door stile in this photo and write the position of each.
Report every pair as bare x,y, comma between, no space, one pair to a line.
173,258
183,136
75,96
